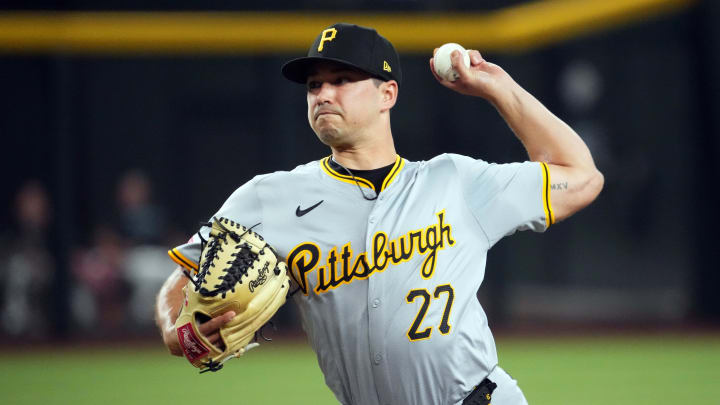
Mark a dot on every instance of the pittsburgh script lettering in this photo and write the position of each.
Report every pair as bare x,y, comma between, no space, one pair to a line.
342,266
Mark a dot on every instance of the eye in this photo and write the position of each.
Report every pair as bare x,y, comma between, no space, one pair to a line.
340,80
313,85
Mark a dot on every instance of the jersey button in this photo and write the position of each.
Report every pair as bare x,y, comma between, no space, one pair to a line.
378,358
376,303
371,220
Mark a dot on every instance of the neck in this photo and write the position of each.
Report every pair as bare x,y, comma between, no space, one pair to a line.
366,157
373,149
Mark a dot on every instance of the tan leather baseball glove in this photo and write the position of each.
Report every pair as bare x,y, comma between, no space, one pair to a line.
239,272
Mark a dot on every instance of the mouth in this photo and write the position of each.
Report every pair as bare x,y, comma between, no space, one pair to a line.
325,112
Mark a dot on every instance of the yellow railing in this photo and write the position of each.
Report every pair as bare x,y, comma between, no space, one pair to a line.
512,29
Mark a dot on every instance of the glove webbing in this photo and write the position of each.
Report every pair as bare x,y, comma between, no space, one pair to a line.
237,268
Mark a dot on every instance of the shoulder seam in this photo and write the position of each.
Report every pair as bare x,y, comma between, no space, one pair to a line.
467,205
257,197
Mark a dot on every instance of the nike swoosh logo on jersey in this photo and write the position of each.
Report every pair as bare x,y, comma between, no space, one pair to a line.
300,212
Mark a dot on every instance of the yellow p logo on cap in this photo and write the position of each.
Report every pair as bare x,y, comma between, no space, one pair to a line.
324,37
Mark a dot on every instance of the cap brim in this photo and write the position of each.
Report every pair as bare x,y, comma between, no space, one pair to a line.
298,70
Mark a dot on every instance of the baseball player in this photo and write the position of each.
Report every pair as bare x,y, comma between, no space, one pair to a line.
387,254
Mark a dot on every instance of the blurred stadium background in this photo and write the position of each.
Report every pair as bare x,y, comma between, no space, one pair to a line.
126,123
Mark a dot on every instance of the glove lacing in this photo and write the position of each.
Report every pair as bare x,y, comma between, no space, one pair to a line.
238,267
233,275
211,254
243,260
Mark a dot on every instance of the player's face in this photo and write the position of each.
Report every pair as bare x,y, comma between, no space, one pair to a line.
342,102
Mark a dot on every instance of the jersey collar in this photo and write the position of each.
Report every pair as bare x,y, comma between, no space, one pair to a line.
397,167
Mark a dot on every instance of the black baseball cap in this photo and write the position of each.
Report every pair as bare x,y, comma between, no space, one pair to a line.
351,45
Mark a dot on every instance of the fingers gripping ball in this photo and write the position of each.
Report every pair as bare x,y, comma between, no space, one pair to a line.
238,272
442,63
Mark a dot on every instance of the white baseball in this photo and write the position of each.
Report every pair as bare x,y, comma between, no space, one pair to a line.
443,66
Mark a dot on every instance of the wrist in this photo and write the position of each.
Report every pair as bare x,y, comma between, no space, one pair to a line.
507,99
169,336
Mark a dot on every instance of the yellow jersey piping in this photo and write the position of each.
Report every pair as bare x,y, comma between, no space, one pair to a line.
399,164
183,261
547,206
397,167
342,177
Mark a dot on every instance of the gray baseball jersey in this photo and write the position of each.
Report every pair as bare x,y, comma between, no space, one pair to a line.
387,288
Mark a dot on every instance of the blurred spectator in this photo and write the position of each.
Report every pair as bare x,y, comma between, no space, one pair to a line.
141,221
147,268
144,225
119,275
100,297
27,269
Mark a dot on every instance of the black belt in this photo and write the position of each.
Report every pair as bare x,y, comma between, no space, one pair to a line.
482,394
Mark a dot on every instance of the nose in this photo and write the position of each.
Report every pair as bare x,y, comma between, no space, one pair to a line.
325,93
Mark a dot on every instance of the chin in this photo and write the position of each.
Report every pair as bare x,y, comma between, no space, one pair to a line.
328,136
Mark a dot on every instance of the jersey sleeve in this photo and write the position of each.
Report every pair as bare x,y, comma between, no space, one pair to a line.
505,198
243,206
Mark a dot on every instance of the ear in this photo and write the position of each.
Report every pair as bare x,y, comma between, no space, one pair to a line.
389,94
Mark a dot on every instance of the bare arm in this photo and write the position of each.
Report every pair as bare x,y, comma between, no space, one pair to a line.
575,181
167,307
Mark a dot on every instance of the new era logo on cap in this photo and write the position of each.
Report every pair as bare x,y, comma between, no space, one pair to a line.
352,45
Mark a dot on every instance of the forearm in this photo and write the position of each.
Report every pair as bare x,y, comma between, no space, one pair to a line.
545,137
167,307
575,181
